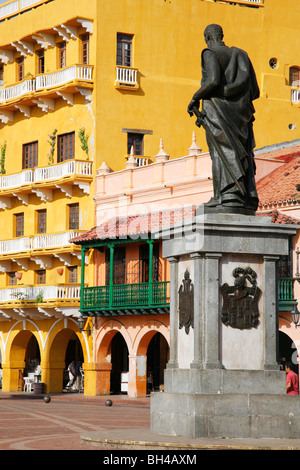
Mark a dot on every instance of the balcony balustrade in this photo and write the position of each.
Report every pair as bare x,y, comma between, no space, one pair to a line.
286,295
45,81
43,174
42,293
37,242
75,72
295,95
126,76
139,297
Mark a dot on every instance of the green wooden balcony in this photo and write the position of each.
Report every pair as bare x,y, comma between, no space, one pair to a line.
286,293
126,299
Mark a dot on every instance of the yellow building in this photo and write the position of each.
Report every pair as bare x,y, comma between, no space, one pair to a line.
83,83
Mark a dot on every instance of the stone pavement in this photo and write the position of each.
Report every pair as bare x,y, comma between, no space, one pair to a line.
75,422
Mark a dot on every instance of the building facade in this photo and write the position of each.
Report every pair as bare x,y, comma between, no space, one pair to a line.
92,87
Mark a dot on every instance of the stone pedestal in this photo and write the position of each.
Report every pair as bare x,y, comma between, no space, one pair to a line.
223,379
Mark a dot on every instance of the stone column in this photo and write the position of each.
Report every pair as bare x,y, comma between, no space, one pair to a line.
174,315
270,309
198,311
211,309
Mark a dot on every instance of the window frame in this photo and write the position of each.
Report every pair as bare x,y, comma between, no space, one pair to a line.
20,69
294,70
30,160
85,48
65,151
19,224
62,54
41,225
72,274
40,61
124,56
40,276
73,217
132,138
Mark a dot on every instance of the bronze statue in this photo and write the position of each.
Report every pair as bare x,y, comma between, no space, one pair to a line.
228,88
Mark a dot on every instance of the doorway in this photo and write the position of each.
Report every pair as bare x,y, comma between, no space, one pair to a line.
120,365
287,352
157,358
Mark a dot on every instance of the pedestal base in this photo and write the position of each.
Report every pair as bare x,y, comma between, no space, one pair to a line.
226,415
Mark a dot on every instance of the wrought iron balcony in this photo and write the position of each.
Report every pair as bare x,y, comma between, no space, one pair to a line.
126,299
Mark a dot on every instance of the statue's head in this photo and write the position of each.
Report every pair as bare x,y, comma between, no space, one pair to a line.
213,32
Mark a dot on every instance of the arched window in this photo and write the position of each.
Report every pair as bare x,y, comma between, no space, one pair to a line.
294,78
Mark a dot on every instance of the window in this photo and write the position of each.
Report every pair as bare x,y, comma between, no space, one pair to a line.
65,147
42,221
20,69
118,265
1,74
30,155
294,79
19,224
137,142
12,280
124,50
144,263
85,49
62,55
74,216
41,276
73,278
41,61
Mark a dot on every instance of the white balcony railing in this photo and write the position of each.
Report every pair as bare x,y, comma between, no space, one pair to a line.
60,77
15,91
46,293
16,180
15,6
15,245
51,172
295,95
52,240
69,167
126,75
75,72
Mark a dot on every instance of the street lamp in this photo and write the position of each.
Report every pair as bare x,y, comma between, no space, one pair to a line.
295,314
80,323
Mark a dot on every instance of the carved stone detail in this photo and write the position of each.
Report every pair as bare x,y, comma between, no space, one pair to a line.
240,302
186,303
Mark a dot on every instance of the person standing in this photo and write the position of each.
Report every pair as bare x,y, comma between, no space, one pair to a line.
292,383
72,376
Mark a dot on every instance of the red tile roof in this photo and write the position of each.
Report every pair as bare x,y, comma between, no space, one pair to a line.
135,225
283,184
279,217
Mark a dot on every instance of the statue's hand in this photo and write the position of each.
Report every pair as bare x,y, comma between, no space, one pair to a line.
192,105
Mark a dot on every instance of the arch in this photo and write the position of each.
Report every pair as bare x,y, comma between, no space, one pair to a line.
16,350
55,365
145,334
286,326
105,335
141,344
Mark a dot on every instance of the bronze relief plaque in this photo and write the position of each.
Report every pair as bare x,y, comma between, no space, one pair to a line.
240,301
186,303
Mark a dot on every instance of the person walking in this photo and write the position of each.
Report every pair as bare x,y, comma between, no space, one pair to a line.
292,383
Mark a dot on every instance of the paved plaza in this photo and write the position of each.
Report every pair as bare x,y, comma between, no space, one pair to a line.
74,422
